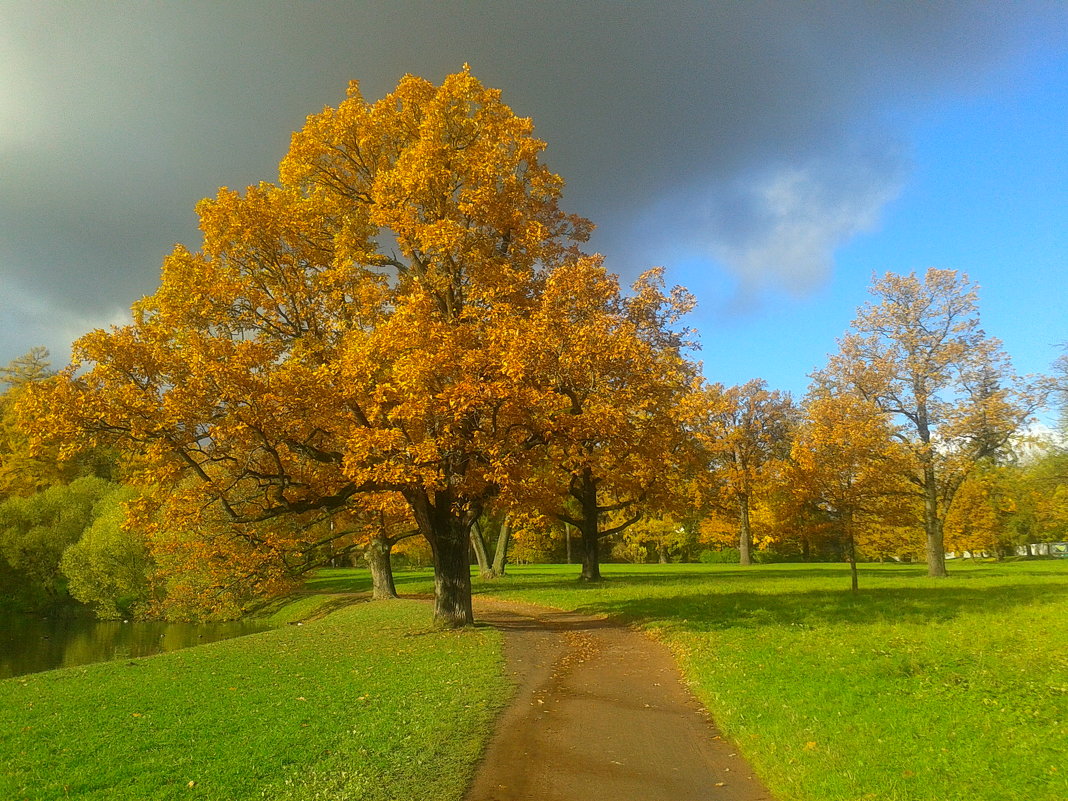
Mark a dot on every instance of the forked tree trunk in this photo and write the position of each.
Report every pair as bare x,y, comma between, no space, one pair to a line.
378,559
481,556
500,555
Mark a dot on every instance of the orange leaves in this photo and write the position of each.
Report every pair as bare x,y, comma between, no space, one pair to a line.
920,356
404,312
846,460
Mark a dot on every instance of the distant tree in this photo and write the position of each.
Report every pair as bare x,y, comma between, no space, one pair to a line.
845,458
920,356
979,518
35,531
109,568
32,366
657,537
611,374
491,563
744,432
26,466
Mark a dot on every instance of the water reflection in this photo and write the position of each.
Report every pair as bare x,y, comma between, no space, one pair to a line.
29,645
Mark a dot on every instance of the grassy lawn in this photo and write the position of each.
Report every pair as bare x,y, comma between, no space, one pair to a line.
367,702
912,689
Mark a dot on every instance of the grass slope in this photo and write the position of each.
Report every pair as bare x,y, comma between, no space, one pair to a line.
912,689
366,703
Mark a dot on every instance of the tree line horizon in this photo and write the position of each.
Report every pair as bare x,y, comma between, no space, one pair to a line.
401,339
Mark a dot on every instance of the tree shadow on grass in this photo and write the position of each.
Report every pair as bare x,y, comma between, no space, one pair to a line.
348,579
819,608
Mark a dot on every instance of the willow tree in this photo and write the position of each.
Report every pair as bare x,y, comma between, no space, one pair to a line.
920,356
343,331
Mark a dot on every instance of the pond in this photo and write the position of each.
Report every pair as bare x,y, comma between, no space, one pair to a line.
31,644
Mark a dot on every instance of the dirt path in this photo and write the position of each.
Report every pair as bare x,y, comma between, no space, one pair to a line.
600,713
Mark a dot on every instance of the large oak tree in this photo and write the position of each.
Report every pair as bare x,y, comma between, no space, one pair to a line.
343,331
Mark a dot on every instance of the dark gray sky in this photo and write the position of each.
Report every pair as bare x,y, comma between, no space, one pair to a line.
742,144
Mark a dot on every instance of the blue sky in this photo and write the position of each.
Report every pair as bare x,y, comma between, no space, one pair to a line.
772,155
985,192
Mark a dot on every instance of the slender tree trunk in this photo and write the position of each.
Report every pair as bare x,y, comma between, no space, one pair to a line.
500,555
932,523
567,536
661,553
936,551
852,554
378,559
481,556
745,537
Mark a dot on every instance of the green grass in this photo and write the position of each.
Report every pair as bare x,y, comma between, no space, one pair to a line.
368,702
913,689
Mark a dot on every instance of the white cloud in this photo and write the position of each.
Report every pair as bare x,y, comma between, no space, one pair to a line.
781,228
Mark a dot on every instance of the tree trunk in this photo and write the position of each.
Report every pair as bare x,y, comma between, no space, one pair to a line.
567,535
852,554
661,553
932,524
481,556
936,551
500,555
591,556
452,581
745,537
449,537
378,559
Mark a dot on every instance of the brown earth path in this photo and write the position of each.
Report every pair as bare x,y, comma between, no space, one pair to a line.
600,714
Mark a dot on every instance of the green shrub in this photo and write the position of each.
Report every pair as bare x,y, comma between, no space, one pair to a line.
724,556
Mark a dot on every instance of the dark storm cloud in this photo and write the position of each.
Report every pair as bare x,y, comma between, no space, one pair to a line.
752,135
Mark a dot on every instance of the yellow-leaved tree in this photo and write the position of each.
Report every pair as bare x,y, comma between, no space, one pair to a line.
608,375
345,332
844,457
920,356
744,435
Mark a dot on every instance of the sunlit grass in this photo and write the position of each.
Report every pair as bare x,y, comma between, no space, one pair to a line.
914,688
368,702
